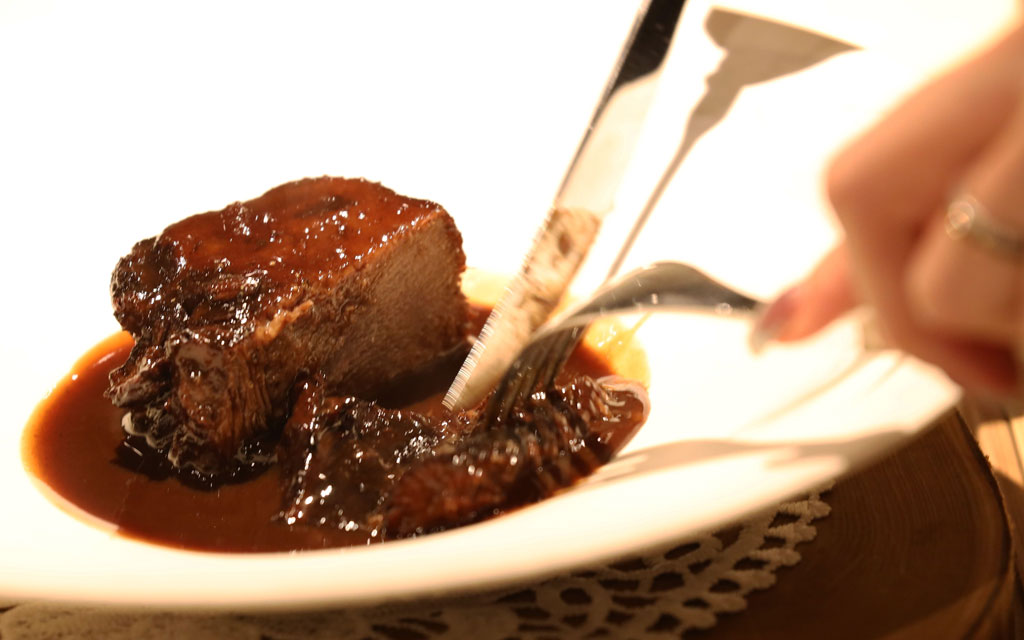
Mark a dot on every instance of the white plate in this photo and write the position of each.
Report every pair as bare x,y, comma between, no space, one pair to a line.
118,120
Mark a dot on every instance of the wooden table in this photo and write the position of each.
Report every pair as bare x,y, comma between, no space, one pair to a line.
917,546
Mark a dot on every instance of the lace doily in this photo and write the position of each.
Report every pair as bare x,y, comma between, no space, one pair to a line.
674,590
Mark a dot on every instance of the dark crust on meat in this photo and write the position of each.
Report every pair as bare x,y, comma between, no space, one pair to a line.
548,443
340,457
350,464
229,309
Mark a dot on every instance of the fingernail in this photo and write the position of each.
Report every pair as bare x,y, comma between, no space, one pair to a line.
772,322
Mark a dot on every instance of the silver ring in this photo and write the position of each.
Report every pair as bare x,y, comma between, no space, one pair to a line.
968,219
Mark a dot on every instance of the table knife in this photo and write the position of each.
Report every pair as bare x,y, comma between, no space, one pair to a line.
585,196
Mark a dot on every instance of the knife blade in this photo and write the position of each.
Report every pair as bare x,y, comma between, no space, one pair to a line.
585,196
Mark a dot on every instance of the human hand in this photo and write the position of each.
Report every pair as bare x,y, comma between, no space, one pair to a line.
953,299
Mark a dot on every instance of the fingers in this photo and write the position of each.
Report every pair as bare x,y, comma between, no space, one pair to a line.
957,285
889,190
898,173
830,291
805,309
888,185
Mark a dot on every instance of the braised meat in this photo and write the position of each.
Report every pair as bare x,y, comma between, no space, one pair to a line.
342,279
551,441
340,457
353,465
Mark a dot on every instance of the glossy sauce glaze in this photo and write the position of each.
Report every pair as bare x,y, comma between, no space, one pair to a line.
228,267
230,309
76,445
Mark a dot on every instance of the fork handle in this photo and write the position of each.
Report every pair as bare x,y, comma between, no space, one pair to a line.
664,286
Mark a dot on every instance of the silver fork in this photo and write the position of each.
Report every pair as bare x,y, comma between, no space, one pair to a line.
663,286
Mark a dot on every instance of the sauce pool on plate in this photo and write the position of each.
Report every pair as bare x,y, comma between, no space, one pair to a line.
75,444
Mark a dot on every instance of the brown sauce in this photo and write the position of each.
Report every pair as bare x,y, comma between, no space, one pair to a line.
71,445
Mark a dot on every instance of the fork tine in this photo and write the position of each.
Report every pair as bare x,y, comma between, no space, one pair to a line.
537,366
563,344
509,388
527,378
520,383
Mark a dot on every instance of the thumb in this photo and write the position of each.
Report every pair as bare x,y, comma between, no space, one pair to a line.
806,308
